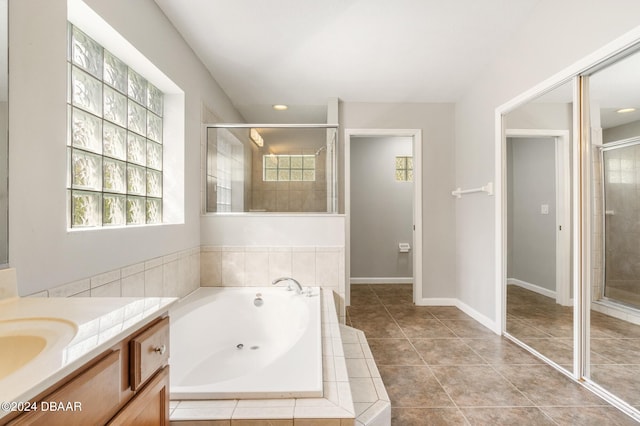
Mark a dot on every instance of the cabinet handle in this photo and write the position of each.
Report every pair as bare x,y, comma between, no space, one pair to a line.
160,349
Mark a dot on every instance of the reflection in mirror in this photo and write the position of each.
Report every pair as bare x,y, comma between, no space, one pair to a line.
271,169
539,311
4,134
614,94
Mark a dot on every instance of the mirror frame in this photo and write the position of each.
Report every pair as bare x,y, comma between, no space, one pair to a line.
574,206
334,160
580,204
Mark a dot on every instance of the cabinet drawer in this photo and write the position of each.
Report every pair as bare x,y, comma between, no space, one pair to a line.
94,397
149,352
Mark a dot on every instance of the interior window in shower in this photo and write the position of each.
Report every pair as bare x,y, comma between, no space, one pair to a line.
293,168
225,172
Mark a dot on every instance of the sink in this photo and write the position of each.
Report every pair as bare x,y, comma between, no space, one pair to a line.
23,340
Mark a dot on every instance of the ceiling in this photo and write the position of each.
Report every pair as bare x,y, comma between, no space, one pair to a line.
615,87
303,52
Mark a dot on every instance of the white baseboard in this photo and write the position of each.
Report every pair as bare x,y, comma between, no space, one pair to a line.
437,301
382,280
532,287
482,319
615,310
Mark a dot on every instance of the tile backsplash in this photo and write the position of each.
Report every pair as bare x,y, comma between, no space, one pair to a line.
178,274
8,284
173,275
258,266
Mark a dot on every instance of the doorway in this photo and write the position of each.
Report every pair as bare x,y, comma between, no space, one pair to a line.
538,212
383,208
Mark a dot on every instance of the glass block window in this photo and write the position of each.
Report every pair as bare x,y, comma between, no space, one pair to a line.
404,169
114,147
287,168
224,176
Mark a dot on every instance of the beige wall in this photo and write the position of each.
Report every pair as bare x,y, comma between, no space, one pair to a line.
438,206
44,253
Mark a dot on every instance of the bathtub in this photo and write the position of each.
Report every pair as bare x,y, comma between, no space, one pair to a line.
223,346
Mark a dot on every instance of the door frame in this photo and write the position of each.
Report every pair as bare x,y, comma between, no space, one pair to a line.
416,134
563,205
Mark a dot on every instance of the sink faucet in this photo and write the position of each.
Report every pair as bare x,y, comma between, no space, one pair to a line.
298,286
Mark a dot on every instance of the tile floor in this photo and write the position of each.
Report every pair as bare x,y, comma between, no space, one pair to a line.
547,327
441,367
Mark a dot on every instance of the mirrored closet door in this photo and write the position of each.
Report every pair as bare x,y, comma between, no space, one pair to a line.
539,311
570,225
613,293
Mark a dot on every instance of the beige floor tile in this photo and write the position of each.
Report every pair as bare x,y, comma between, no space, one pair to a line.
507,416
410,386
427,416
394,352
478,386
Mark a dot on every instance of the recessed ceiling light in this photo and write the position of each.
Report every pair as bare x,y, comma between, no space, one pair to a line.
280,107
623,110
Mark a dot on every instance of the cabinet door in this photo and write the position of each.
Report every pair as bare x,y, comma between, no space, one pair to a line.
91,398
150,406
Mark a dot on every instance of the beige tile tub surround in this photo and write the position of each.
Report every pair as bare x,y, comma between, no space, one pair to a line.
8,284
174,275
236,266
370,399
335,408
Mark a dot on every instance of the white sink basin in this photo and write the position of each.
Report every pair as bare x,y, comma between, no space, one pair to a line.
23,340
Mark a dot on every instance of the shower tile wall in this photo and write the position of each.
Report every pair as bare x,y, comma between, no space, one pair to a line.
259,266
289,196
174,275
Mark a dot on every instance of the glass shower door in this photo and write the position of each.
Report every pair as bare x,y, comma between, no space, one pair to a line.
621,186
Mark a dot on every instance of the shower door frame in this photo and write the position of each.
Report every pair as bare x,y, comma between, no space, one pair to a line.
610,146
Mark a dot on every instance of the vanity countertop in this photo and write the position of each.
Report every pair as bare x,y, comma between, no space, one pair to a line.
76,329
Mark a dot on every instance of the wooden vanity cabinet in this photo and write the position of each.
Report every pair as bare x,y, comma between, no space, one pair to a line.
126,385
150,406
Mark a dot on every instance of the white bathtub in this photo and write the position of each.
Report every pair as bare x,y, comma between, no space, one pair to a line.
224,347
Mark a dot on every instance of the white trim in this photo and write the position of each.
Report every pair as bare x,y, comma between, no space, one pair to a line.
437,301
416,134
621,312
532,287
481,318
563,200
381,280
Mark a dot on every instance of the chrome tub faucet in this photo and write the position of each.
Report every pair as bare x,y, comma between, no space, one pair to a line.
289,287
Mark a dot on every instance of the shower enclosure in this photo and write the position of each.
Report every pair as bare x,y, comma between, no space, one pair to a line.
270,168
619,214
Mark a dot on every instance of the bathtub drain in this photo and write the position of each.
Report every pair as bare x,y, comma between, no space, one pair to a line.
239,346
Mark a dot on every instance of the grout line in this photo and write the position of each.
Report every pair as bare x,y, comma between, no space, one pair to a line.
425,363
